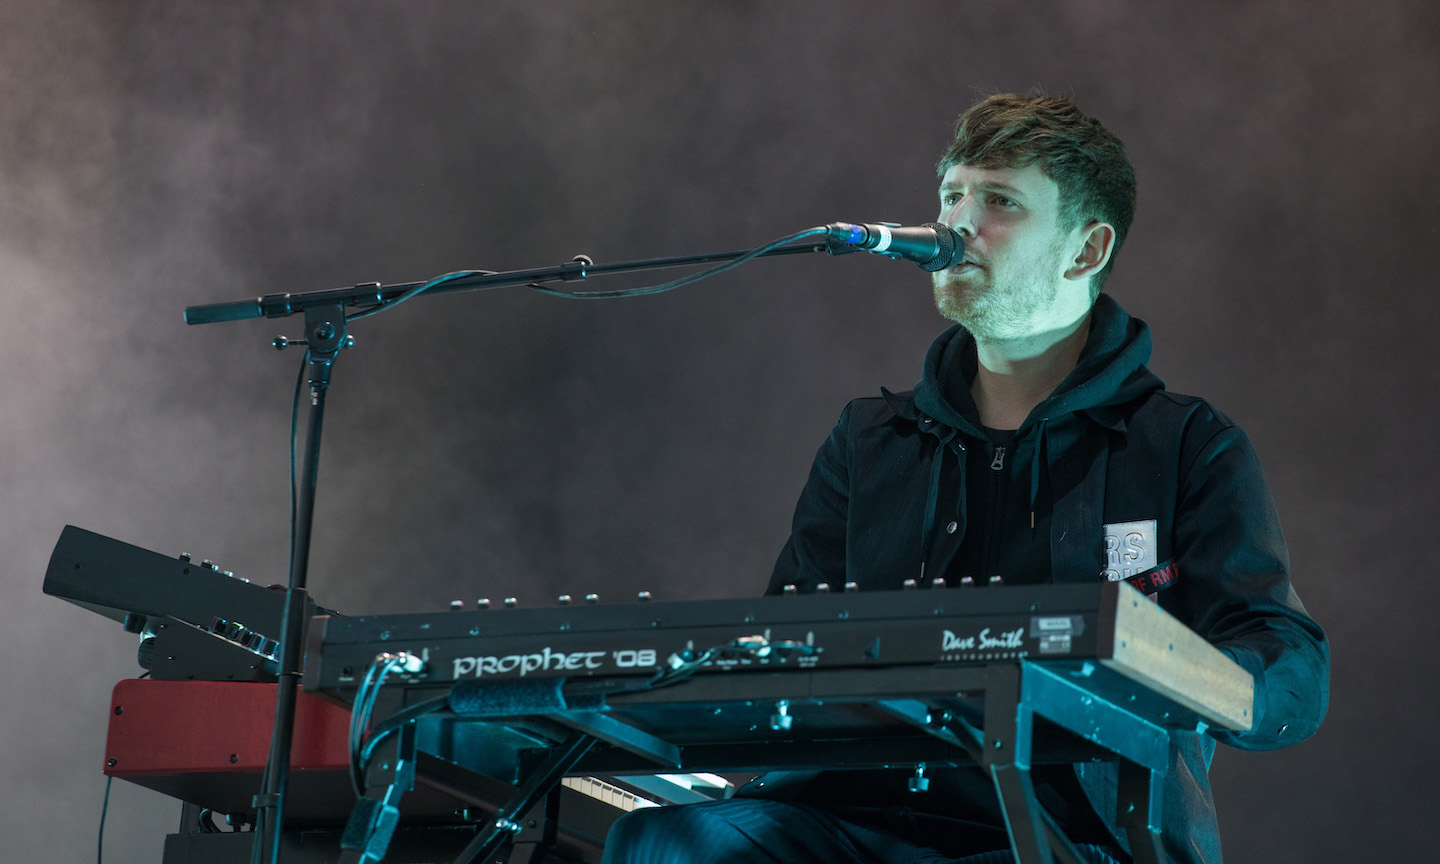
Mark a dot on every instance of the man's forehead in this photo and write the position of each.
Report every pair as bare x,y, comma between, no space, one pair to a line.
1030,179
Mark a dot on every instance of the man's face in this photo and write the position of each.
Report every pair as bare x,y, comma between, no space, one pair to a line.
1015,252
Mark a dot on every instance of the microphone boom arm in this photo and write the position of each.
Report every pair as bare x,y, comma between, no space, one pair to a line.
374,295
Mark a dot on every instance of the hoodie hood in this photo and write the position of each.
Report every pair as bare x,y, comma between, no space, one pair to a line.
1111,373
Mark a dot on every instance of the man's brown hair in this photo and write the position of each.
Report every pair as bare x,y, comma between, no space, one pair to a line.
1086,160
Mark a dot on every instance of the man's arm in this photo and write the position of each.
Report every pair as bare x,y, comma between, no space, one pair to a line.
1235,587
815,551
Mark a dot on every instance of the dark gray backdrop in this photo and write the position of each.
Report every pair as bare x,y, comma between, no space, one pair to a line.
156,155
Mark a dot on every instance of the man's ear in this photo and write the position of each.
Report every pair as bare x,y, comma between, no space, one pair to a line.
1098,242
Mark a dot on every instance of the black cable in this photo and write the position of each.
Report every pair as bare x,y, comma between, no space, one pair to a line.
363,709
683,280
104,806
361,748
414,712
294,502
295,434
421,289
395,722
369,688
360,719
642,291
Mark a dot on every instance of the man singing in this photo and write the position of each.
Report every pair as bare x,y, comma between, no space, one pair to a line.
1037,447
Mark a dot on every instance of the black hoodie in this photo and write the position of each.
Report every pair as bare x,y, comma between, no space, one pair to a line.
910,486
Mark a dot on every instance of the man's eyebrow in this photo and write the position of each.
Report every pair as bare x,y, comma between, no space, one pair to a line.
987,185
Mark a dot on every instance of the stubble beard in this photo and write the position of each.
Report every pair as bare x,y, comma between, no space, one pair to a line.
1007,308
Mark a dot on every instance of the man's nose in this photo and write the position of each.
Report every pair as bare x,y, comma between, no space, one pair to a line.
961,217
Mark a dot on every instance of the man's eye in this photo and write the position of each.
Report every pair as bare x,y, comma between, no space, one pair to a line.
1003,201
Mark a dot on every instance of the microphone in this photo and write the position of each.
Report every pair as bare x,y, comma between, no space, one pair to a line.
933,246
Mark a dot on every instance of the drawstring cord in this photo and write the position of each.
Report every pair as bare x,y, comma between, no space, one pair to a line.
949,441
1037,461
927,532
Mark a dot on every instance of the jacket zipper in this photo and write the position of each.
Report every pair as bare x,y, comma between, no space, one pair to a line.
997,503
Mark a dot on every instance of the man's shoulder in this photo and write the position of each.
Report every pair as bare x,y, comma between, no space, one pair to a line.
1186,427
1178,408
883,408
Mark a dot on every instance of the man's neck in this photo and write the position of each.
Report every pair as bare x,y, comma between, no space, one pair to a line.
1014,375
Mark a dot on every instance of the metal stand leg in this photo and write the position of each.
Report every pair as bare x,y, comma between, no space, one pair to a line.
1007,757
1139,812
538,784
1014,695
537,833
325,334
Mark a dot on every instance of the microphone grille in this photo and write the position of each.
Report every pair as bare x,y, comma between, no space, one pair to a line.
950,247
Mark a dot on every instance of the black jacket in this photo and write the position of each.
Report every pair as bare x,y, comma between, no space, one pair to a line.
911,486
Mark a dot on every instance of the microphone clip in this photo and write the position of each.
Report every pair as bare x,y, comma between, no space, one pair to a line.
931,246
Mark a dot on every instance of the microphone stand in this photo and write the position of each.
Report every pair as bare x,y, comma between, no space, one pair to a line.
325,335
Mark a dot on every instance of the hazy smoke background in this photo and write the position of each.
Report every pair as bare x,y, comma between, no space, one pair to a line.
158,155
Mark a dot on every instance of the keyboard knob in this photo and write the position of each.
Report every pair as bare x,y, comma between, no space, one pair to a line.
781,720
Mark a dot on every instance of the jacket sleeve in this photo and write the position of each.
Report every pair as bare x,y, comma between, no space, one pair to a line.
1235,587
815,551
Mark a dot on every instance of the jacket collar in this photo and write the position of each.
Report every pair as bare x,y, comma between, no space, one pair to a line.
1110,374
